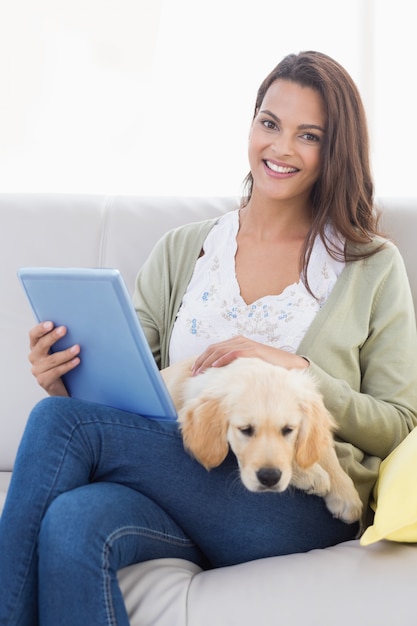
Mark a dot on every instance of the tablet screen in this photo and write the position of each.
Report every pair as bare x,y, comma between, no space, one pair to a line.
117,366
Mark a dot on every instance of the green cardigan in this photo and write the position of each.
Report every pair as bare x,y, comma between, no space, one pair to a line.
362,344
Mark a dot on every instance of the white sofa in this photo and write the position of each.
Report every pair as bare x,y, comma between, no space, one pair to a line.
347,584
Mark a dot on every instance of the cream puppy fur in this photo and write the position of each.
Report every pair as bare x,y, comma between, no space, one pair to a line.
275,422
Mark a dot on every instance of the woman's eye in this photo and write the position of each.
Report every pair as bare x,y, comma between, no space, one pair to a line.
269,124
310,137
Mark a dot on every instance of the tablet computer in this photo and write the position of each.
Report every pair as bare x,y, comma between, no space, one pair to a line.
117,367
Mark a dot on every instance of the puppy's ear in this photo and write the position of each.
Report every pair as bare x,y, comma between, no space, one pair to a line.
203,424
315,433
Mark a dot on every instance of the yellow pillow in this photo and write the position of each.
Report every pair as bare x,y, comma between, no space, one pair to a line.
395,496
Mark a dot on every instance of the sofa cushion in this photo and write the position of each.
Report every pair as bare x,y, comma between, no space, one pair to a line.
344,585
395,496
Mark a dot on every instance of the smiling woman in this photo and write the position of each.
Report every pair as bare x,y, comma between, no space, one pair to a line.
276,278
129,96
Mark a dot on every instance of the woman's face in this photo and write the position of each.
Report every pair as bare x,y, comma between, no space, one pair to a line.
285,142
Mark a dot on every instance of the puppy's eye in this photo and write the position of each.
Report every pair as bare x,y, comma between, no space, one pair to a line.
287,430
249,431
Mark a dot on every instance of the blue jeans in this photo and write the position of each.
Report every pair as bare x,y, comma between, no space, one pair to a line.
95,490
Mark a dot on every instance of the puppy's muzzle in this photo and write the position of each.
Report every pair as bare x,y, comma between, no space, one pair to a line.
268,477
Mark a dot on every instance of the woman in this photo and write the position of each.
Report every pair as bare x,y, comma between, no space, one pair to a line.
298,276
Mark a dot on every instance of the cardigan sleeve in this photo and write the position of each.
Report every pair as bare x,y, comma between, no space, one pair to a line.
368,374
148,296
162,281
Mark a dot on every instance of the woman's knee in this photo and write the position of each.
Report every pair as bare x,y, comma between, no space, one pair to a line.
47,416
49,406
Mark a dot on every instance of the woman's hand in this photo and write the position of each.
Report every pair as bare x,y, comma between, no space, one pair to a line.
47,367
224,352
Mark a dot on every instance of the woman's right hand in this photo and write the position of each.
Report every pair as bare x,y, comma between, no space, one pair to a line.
47,367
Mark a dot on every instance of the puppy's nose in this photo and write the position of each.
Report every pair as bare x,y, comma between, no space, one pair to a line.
268,476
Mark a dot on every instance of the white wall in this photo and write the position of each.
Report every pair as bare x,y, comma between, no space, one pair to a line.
156,96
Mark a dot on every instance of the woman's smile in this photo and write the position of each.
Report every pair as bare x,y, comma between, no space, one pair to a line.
281,170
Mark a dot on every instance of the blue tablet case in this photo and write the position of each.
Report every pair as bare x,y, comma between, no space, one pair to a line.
117,366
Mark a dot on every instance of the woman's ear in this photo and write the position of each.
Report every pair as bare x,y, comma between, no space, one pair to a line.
204,425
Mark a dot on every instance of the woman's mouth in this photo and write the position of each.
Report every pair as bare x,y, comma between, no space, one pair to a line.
280,169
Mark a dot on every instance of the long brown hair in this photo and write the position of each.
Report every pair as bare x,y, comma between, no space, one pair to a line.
343,195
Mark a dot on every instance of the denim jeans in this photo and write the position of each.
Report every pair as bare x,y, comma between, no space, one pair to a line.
95,489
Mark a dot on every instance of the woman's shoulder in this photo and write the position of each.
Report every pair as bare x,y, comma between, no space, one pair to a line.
378,246
190,230
181,245
193,231
376,260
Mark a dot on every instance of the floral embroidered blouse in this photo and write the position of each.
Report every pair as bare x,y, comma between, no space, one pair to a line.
213,310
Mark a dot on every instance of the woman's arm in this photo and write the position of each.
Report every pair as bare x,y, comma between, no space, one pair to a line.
162,282
364,355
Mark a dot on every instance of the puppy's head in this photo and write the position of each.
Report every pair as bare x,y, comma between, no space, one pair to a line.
271,418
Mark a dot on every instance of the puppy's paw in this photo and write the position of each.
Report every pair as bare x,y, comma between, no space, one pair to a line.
348,509
314,480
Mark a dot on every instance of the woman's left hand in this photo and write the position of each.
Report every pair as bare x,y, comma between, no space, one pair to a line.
224,352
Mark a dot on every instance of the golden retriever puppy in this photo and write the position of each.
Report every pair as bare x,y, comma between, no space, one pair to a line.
275,422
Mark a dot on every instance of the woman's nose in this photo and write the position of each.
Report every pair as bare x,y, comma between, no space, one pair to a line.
283,144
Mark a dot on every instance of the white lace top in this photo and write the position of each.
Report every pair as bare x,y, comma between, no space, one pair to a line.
213,310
